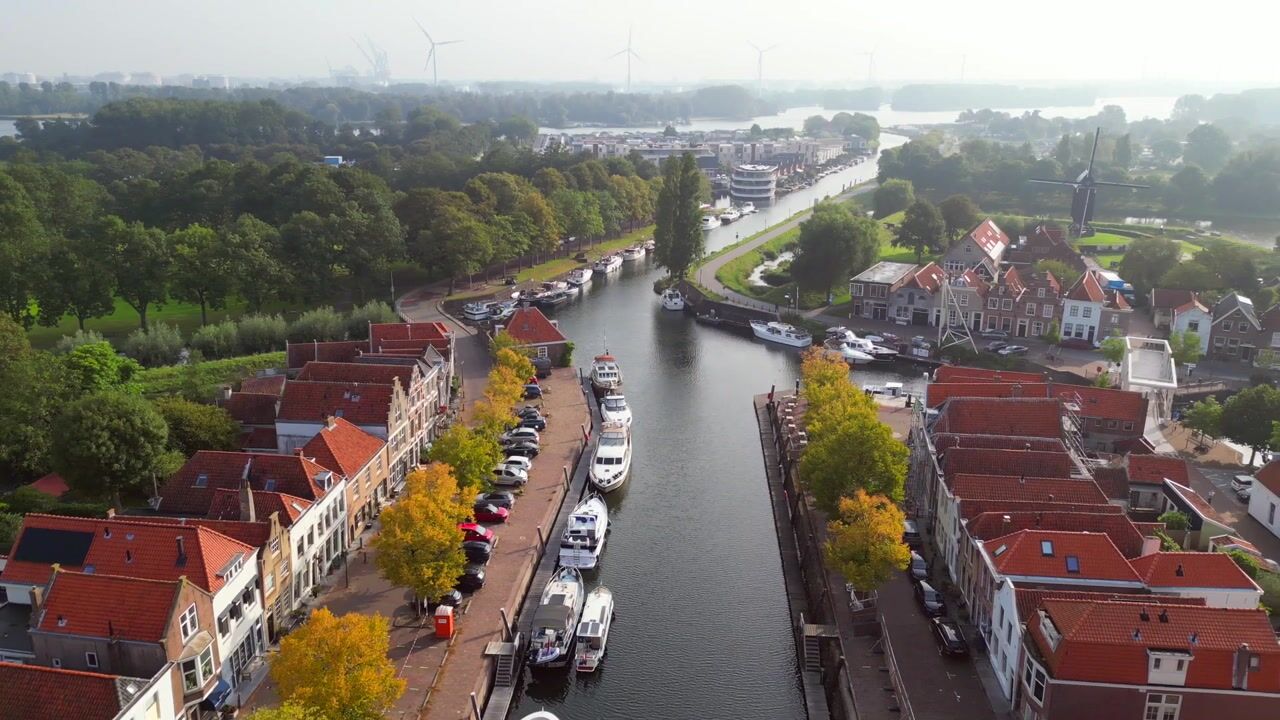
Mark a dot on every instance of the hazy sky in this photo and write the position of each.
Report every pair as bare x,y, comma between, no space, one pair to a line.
679,40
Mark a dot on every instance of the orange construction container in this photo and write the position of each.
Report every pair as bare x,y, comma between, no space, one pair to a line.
444,621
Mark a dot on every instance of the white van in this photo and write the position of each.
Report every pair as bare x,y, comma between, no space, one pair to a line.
1242,484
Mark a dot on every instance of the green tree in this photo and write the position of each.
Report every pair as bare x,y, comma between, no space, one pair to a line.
1188,188
1190,275
921,230
195,426
1123,154
1053,335
678,236
1146,261
1065,274
420,545
1205,417
1175,520
1185,346
143,261
864,541
893,196
34,392
22,249
1248,416
959,214
287,711
203,271
1062,152
256,255
95,367
1248,563
470,454
1113,349
79,281
1207,146
109,443
833,242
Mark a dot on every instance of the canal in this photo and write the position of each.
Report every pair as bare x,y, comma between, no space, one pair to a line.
692,559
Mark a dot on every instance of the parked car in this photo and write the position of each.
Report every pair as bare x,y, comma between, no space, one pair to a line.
911,533
529,411
508,476
536,422
501,498
542,367
1008,350
472,532
1242,482
930,600
471,579
453,598
995,346
532,392
919,341
1243,495
489,513
477,551
949,637
521,434
995,334
919,567
521,449
874,337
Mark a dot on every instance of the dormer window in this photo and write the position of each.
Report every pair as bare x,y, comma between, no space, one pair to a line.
202,480
269,484
106,533
1167,667
1046,548
1049,630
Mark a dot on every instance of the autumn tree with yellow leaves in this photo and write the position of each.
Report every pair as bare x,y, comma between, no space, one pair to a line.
864,541
469,453
420,545
337,667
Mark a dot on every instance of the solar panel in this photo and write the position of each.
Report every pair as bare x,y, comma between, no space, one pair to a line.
44,545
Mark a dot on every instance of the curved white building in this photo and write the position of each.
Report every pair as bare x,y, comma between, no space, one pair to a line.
753,183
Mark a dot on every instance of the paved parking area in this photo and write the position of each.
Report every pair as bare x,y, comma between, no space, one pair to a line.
1235,511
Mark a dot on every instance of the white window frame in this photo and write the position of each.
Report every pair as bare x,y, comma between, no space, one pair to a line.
1039,292
856,290
1007,304
1162,706
993,303
91,659
1075,311
1047,311
189,622
1087,312
1031,309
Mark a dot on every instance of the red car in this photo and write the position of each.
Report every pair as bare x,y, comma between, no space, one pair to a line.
473,531
489,513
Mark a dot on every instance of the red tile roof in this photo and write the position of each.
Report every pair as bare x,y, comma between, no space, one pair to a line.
109,606
264,385
252,408
962,374
1113,481
1030,599
380,332
299,354
1092,402
970,507
1168,299
225,506
1197,503
1148,529
1023,553
127,547
375,374
1116,301
1109,642
927,277
1269,476
1088,288
975,281
51,484
191,489
1154,469
1188,307
32,692
989,237
530,327
254,534
259,439
1011,282
1006,462
343,447
361,403
943,441
1127,539
1022,417
1009,487
1192,570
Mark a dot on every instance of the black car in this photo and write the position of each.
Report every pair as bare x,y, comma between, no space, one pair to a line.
453,598
501,498
950,638
477,551
471,579
521,449
532,392
529,411
538,423
919,568
930,600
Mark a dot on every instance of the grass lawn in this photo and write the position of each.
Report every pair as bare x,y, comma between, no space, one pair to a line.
124,320
734,273
1112,259
171,379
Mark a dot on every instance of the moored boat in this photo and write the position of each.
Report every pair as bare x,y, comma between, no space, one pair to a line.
608,264
847,352
479,311
553,298
672,299
650,245
605,373
730,215
581,277
710,222
593,631
781,333
614,408
633,253
584,534
612,461
748,208
556,619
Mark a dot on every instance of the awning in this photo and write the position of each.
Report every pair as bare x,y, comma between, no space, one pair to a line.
218,696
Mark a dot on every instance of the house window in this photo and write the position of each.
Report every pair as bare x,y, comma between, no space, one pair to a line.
1039,292
1034,678
1226,326
1271,514
1128,425
542,353
269,582
91,659
1218,342
1075,310
275,546
1162,706
1046,310
1115,319
189,623
856,290
993,303
964,300
57,662
1031,309
224,625
1006,304
1066,329
1037,328
1087,311
1194,326
1111,424
968,249
991,322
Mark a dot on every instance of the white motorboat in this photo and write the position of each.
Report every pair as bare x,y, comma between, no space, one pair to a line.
608,264
556,619
540,715
504,312
710,222
730,215
579,278
593,631
585,533
861,344
614,408
781,333
650,245
605,373
633,253
612,461
672,299
748,208
479,311
850,354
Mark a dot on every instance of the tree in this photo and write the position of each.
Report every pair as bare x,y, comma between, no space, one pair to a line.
287,711
1113,349
1123,154
1065,274
94,367
893,196
471,455
338,666
1146,261
420,545
1207,146
255,252
1190,275
34,393
1248,416
921,230
959,213
202,268
1188,188
833,242
1204,417
1062,152
142,260
1185,346
678,237
864,541
79,281
1175,520
196,426
108,443
1248,563
22,248
1053,335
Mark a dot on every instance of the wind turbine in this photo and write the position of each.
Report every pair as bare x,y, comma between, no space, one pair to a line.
871,63
433,60
630,54
760,65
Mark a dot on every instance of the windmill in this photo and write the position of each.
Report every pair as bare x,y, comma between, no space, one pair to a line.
1083,189
760,65
630,54
433,60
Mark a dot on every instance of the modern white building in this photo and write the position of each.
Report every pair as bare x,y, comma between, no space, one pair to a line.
753,183
1148,368
319,536
1264,498
1193,317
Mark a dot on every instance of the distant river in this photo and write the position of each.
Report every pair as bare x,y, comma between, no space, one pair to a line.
7,128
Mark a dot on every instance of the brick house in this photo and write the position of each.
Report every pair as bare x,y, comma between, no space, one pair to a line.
970,290
1163,301
360,457
380,410
32,692
915,301
1023,303
1044,243
872,288
537,335
1238,332
981,250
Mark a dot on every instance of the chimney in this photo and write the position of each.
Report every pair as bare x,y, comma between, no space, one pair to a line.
1240,668
247,511
37,605
1144,616
224,393
330,422
182,551
1164,615
111,512
1178,571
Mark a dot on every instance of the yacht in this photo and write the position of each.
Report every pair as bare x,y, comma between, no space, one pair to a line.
584,535
479,311
710,222
650,245
748,208
553,298
632,254
503,312
605,374
729,215
593,631
781,333
862,344
556,619
672,299
614,408
608,264
580,278
612,462
851,355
